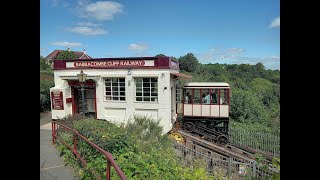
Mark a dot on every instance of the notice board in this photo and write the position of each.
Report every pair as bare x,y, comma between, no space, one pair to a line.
57,100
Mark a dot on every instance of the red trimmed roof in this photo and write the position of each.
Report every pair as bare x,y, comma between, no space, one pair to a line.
79,54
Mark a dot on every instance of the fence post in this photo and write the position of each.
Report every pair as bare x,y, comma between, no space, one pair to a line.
53,132
254,168
229,166
75,137
108,170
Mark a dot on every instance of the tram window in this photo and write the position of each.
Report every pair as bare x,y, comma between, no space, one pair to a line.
224,96
196,96
214,96
187,96
206,96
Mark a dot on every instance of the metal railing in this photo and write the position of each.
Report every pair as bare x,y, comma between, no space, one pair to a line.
261,141
110,161
214,162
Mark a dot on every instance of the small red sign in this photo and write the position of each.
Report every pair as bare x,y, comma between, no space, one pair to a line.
57,100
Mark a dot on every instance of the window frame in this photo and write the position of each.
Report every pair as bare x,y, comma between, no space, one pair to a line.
218,91
111,90
142,90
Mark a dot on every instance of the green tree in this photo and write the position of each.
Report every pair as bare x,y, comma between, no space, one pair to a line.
246,107
262,87
174,58
160,55
44,64
188,63
66,55
46,82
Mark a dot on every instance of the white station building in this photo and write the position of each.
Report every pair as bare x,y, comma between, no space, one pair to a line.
117,89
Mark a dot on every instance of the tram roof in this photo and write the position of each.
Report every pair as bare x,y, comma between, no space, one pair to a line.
206,85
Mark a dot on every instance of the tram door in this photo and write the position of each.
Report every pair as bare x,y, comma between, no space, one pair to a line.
89,101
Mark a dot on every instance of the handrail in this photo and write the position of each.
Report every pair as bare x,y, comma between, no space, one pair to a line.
110,160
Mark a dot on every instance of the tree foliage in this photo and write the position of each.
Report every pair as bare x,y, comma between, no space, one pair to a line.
66,55
188,63
46,82
246,107
45,65
160,55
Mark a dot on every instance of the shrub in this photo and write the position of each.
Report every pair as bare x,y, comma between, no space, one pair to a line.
139,148
46,82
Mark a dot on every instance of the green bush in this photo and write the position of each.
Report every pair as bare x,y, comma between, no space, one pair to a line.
139,148
46,82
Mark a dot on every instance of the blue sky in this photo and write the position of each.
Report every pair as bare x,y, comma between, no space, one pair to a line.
215,31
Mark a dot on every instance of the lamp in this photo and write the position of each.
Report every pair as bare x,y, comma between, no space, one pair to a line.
82,79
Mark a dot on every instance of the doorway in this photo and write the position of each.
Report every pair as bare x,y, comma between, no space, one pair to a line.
89,99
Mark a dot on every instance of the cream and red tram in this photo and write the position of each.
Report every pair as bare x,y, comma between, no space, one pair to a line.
205,110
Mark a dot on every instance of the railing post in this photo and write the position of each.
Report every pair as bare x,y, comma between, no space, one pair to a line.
254,168
75,137
108,170
229,166
53,132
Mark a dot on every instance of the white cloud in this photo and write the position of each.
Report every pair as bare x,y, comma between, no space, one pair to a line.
54,3
214,49
64,3
100,10
220,53
275,23
272,62
90,24
236,56
82,2
42,50
275,57
88,31
235,50
138,46
66,44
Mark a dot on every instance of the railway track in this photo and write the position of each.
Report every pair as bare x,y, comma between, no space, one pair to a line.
229,150
250,150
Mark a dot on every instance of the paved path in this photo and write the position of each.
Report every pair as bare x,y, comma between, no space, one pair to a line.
51,164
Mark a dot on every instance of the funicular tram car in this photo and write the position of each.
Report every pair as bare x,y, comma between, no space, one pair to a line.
205,110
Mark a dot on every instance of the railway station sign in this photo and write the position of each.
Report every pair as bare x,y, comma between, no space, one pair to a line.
109,63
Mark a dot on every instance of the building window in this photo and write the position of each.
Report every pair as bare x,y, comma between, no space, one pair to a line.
115,89
178,93
146,89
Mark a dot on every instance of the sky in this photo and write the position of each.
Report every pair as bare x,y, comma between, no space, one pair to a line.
215,31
